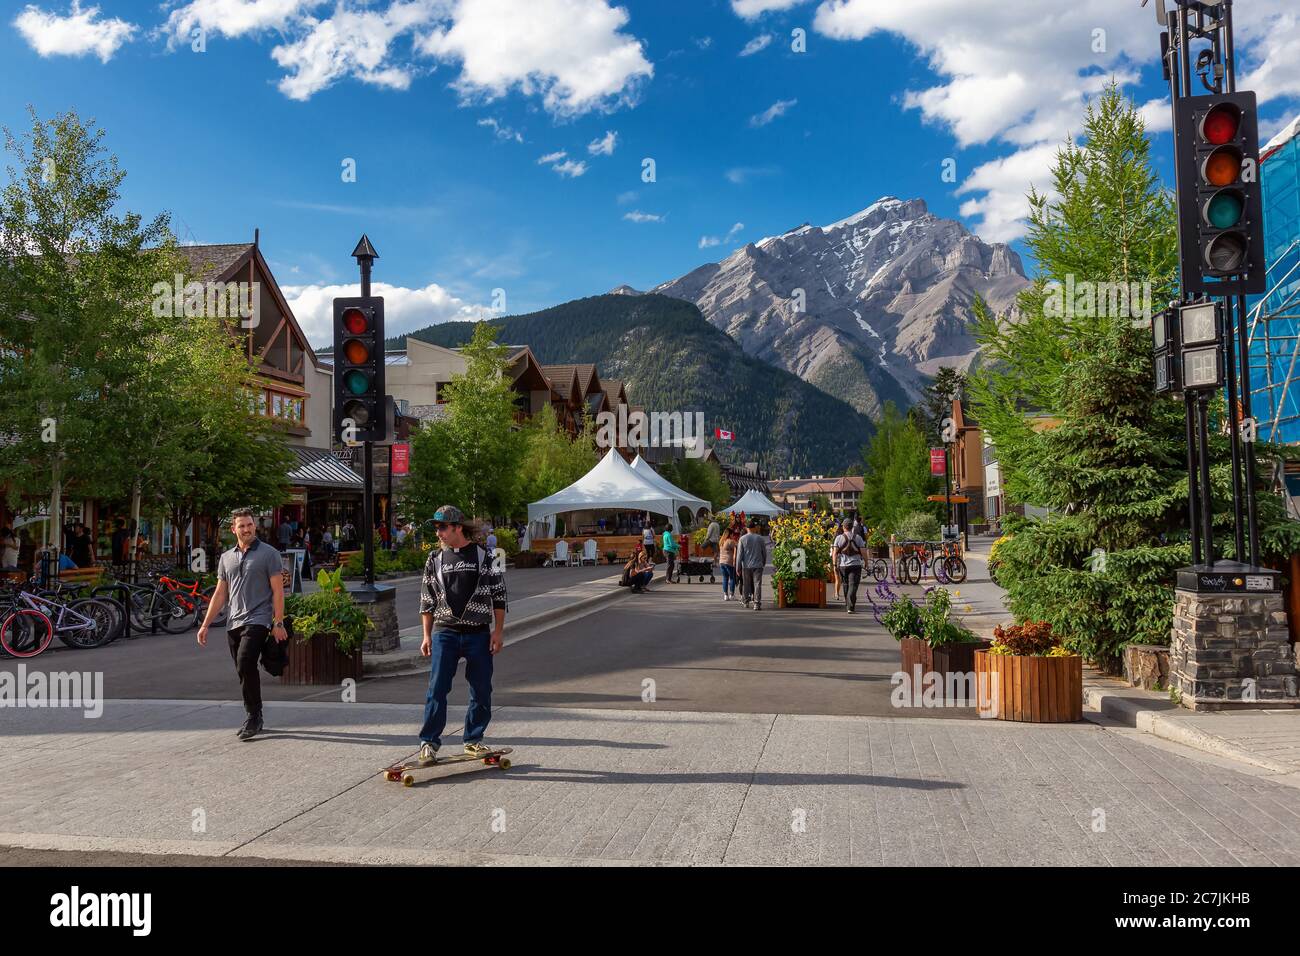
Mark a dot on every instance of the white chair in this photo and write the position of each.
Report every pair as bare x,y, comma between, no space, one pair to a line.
561,553
588,552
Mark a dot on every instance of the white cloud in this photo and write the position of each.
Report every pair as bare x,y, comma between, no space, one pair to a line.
709,241
502,131
350,43
571,168
636,215
760,42
404,309
1277,73
233,18
603,146
772,112
572,53
78,33
624,198
704,42
740,175
552,157
749,9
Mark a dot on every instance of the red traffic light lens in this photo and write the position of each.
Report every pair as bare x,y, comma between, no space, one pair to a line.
1221,124
1222,167
355,321
356,352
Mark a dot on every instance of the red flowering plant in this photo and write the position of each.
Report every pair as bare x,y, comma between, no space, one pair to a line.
1028,639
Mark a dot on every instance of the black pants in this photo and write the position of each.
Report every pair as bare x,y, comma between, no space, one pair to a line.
849,580
248,644
672,559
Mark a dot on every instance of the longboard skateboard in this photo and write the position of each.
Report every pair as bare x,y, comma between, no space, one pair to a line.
405,772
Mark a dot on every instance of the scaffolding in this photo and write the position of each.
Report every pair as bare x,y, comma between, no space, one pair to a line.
1275,316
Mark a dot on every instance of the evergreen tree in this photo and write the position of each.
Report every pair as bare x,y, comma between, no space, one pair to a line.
1066,396
936,406
896,479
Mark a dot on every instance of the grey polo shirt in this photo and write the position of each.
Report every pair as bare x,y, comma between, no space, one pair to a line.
248,577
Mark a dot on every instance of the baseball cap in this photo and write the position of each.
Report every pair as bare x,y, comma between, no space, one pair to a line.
449,514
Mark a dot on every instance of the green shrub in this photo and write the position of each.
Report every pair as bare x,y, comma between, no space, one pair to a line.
331,610
918,526
507,541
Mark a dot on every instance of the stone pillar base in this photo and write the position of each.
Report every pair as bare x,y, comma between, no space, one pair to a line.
381,607
1231,650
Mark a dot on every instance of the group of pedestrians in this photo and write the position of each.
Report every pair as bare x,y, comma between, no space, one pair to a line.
743,552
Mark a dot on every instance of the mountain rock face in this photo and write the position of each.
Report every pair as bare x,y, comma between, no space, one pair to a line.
867,308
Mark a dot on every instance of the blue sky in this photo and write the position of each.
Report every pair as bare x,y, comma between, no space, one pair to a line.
447,106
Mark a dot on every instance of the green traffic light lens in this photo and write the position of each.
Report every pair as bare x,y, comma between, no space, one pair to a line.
1224,209
356,382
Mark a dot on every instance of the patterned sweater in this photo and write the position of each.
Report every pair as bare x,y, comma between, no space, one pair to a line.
490,592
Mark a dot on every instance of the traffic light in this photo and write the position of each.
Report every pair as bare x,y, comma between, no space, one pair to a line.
1220,204
359,413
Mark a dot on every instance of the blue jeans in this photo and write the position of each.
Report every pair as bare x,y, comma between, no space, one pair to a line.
728,579
448,648
642,579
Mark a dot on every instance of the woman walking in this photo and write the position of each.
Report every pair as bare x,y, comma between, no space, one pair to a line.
727,563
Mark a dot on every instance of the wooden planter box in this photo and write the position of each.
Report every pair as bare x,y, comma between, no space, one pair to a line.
915,652
1034,689
809,592
957,659
319,661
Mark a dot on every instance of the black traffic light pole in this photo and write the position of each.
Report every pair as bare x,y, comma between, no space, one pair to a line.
365,255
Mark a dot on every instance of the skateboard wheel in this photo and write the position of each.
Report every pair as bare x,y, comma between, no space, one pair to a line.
389,775
505,763
408,780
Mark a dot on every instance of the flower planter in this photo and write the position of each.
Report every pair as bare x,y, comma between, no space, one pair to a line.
915,653
809,592
957,659
1032,689
319,661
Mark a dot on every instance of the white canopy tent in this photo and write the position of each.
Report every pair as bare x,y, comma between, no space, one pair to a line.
683,499
611,484
755,503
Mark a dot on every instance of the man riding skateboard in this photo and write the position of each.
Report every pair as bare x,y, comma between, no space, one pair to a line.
463,610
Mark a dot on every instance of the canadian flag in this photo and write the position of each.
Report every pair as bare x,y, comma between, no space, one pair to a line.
724,434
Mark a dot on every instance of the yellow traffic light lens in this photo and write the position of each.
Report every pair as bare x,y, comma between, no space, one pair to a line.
355,321
1223,167
355,351
1221,124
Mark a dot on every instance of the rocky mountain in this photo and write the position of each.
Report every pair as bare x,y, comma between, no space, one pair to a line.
867,309
671,359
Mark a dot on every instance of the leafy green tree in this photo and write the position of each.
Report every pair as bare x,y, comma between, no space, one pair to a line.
699,478
1066,396
552,460
474,452
896,479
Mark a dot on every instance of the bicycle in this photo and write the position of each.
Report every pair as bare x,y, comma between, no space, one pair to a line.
150,603
195,600
81,623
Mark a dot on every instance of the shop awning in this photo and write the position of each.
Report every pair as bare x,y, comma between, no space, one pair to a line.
318,468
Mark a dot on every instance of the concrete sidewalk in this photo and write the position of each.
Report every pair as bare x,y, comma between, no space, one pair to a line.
628,787
1265,738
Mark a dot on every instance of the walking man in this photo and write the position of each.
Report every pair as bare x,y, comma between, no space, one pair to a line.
463,610
846,557
751,556
249,575
711,537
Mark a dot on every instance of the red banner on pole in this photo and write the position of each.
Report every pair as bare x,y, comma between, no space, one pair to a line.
936,461
401,458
